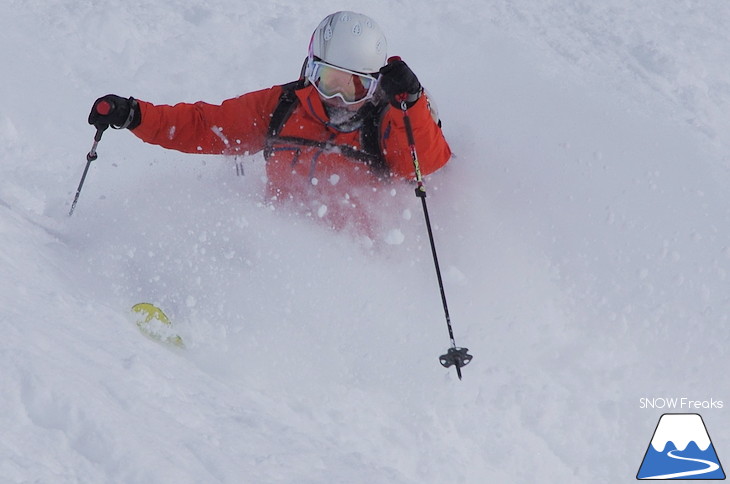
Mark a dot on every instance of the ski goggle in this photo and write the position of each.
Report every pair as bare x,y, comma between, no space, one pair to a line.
350,86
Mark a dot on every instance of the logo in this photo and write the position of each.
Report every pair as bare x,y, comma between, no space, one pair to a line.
681,449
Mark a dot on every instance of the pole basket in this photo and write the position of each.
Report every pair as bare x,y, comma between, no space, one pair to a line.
458,357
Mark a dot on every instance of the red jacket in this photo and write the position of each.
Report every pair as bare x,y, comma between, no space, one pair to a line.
323,174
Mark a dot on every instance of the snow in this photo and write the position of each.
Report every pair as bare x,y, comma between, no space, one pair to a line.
582,229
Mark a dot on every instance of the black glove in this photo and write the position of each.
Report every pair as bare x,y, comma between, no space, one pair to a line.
115,111
399,83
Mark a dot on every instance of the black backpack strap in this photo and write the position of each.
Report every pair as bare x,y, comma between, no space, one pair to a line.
370,137
348,151
287,102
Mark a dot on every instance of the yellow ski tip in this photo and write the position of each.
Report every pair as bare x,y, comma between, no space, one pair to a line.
150,312
155,324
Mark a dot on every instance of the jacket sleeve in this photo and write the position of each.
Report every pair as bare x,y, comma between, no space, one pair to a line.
237,125
431,146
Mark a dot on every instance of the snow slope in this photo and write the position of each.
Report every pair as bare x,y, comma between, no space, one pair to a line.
582,228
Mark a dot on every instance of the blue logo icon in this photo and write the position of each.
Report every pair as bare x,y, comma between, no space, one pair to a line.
681,449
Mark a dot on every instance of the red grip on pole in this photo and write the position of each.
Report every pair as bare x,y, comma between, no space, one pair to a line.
103,107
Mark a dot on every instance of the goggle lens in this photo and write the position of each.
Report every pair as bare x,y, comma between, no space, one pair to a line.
352,87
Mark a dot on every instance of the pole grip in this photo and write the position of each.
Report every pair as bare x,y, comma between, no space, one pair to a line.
100,128
409,128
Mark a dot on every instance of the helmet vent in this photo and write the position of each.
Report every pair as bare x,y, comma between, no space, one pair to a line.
356,29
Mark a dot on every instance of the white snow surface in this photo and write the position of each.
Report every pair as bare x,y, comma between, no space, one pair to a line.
582,229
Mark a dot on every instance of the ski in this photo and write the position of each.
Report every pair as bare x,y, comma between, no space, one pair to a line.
155,324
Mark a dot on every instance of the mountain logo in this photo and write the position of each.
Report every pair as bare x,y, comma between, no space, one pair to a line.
681,449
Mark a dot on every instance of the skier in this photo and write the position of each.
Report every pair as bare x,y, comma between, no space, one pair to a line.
331,139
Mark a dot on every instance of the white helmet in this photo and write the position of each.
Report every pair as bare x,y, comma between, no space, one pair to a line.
349,40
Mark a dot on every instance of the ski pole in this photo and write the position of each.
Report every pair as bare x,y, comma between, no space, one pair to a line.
102,107
455,356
